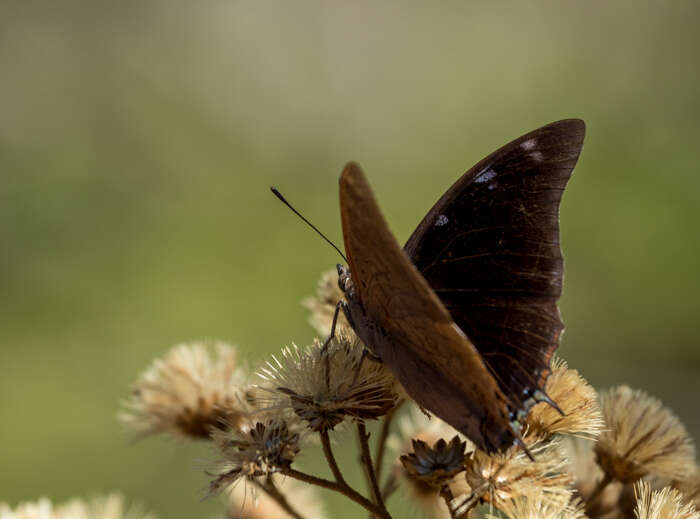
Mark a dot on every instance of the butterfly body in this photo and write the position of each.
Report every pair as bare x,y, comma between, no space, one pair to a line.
465,315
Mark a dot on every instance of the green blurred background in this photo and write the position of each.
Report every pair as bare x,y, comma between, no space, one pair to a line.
138,141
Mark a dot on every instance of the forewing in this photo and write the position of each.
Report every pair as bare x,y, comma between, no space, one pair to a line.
426,351
489,248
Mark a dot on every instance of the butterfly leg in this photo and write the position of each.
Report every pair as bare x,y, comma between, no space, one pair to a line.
541,396
518,440
324,348
365,353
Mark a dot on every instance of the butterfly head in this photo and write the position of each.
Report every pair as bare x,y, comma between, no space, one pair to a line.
345,279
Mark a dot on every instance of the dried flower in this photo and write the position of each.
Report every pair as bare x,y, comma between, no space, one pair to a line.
437,465
254,451
111,506
576,398
690,488
188,392
416,425
662,504
322,305
323,388
535,505
643,437
248,502
499,477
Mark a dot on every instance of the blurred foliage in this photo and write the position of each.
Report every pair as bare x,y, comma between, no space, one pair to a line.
138,140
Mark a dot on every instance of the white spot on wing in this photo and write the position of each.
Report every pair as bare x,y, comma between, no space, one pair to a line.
528,144
485,176
441,220
537,156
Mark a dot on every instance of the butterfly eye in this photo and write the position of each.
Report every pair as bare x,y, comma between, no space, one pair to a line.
344,279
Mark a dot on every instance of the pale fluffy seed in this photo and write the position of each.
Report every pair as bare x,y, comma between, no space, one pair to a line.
578,400
642,437
666,503
194,388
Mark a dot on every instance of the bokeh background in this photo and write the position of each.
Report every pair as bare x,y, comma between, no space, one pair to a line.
138,141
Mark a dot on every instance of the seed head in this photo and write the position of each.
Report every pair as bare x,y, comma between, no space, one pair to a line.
415,425
642,438
578,400
323,388
322,305
662,504
111,506
188,392
500,477
536,505
435,465
260,450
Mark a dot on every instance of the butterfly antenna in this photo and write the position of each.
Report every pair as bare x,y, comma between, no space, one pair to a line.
284,201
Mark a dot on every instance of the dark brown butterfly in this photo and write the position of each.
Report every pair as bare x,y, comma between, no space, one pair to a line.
465,315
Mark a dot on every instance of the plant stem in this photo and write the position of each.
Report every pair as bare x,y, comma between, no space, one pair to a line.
328,452
390,486
367,465
341,487
383,435
446,494
271,490
592,503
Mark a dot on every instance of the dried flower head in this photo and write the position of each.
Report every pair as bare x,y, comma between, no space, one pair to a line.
249,502
690,488
575,397
435,465
324,387
499,477
322,305
642,437
188,392
262,449
111,506
417,425
535,505
662,504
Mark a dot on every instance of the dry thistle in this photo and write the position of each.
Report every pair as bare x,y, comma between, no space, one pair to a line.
259,450
666,503
535,505
250,502
187,393
499,477
416,425
690,488
322,305
111,506
642,437
578,400
435,465
324,387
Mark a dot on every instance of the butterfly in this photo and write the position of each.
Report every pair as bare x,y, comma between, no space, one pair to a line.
465,315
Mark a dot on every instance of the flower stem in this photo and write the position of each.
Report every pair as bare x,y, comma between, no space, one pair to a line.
446,494
341,487
367,465
328,452
383,436
271,490
592,502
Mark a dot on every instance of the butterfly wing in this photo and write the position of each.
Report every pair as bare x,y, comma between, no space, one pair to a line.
489,248
432,359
